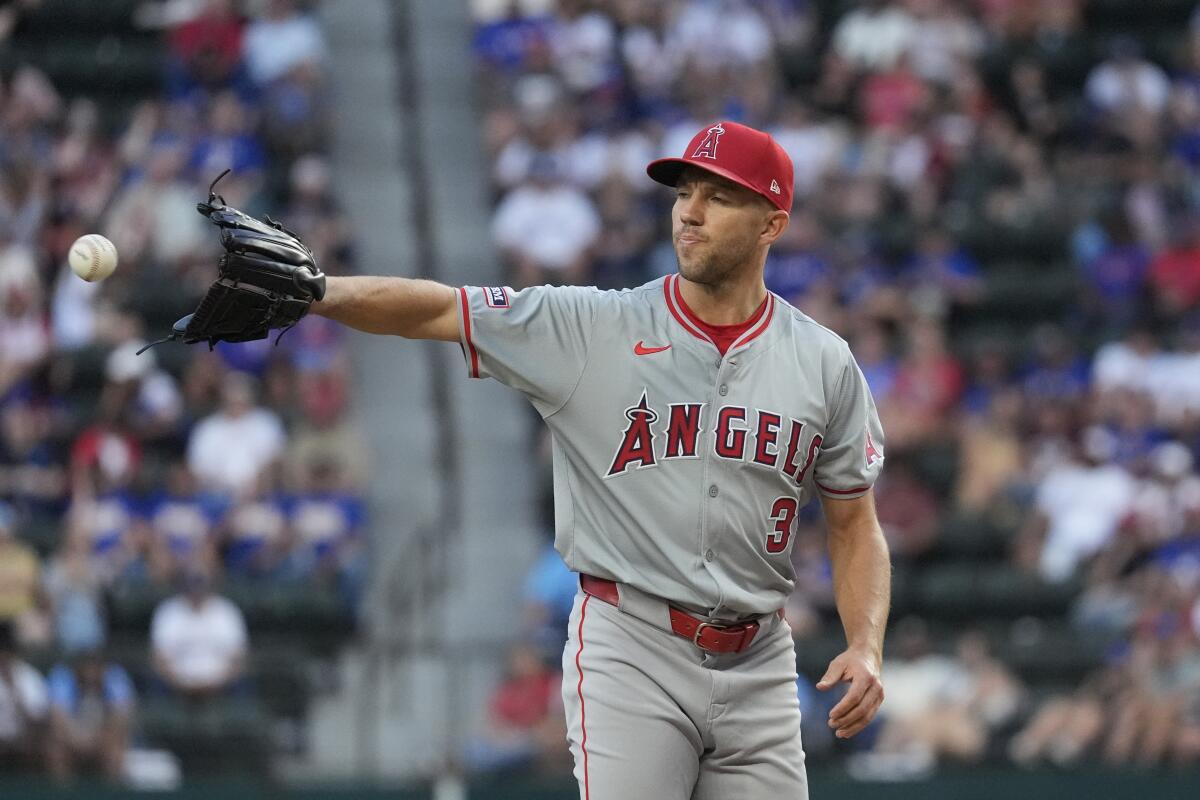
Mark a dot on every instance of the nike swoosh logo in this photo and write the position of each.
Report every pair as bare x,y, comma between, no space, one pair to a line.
640,349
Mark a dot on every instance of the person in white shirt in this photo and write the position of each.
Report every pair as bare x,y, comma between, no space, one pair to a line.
282,40
1126,83
546,228
23,704
873,36
199,641
1080,505
229,450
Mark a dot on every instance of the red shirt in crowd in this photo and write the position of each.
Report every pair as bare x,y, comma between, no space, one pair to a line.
1175,276
524,701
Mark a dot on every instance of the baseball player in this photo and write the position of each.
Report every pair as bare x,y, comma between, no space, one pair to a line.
692,418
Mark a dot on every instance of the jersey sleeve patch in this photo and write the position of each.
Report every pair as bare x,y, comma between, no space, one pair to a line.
496,296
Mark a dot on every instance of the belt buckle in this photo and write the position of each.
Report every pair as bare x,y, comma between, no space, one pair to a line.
700,629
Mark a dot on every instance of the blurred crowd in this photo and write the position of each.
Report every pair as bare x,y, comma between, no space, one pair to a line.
935,142
180,470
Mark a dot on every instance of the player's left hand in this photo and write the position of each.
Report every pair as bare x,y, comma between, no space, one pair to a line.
856,710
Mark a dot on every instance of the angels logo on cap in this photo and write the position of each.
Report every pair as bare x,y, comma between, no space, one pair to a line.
708,148
749,157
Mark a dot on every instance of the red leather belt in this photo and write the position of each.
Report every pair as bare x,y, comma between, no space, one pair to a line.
705,635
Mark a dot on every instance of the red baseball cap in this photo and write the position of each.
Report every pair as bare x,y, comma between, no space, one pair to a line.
742,154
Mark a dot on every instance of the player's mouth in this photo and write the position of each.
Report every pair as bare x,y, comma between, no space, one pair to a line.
689,238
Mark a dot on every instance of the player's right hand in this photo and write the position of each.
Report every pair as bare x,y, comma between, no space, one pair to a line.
864,696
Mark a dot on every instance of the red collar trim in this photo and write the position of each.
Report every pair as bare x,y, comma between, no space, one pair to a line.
692,324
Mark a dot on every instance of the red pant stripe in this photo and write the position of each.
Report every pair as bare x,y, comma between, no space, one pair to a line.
582,711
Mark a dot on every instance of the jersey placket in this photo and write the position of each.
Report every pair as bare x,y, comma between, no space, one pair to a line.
715,473
713,476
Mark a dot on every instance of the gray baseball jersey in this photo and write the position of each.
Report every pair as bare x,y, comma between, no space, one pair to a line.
678,470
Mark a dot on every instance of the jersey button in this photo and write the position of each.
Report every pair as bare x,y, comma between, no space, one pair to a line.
709,555
724,390
712,490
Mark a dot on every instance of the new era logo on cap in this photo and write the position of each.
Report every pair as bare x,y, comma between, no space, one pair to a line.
739,153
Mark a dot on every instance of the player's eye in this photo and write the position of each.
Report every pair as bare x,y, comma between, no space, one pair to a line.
718,198
681,194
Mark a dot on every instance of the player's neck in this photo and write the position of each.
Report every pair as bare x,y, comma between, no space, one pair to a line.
728,303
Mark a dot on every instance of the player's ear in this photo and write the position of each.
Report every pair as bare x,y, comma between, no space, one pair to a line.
774,225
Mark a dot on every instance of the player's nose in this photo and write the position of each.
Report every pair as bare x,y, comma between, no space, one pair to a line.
691,211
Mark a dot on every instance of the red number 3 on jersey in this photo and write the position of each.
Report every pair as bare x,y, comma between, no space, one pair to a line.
783,514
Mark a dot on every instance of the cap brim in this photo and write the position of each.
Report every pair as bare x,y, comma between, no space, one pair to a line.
667,170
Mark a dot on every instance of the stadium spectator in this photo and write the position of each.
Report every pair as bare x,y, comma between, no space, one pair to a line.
548,594
313,212
1079,506
875,35
233,448
523,717
1129,91
24,338
941,276
257,538
326,518
228,142
182,524
32,475
546,228
282,41
23,706
1115,276
198,641
91,704
11,14
83,167
929,380
285,57
75,594
114,533
325,431
990,455
1066,728
152,398
19,573
107,454
153,218
908,511
1165,678
949,705
1174,274
206,49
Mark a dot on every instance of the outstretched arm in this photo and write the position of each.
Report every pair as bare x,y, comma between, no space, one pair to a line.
414,309
862,576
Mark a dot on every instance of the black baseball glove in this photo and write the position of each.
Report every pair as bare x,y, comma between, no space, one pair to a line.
267,279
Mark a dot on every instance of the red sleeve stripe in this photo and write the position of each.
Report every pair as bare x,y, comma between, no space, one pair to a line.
827,490
466,317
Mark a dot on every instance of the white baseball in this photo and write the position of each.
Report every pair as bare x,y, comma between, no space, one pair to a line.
92,257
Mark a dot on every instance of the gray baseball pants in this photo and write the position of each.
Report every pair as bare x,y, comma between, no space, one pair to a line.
650,716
